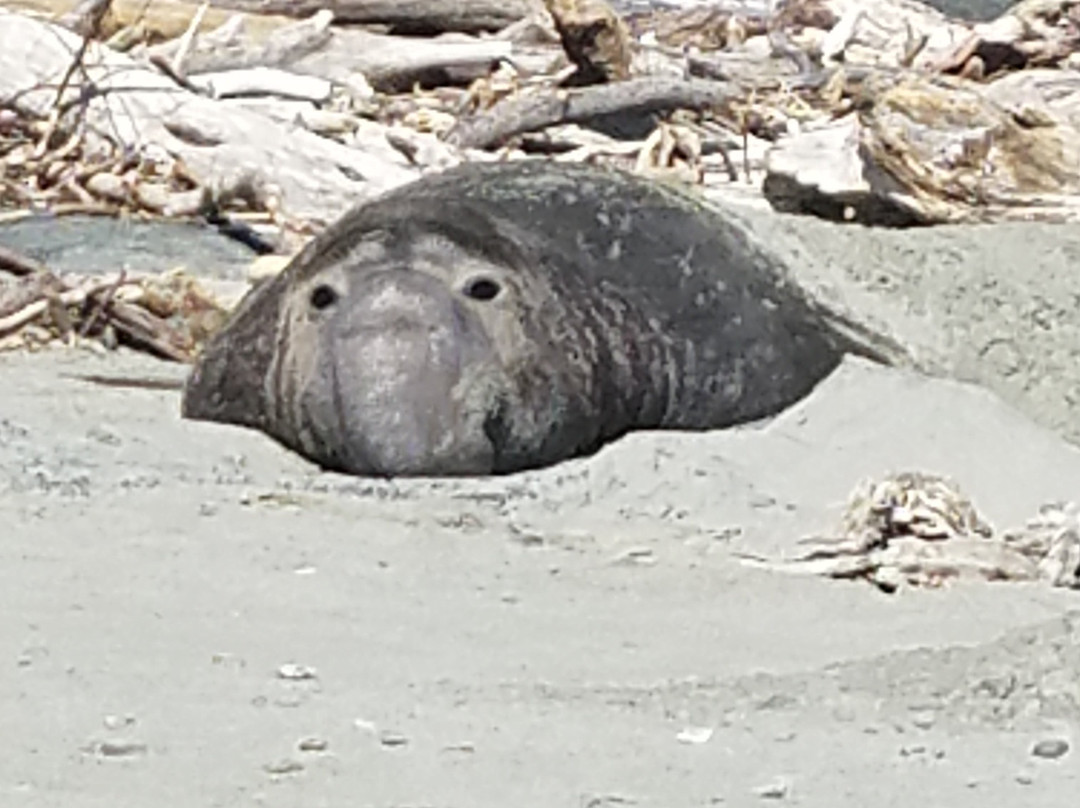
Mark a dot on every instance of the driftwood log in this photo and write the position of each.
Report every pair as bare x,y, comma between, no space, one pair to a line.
314,47
394,63
401,16
544,108
234,46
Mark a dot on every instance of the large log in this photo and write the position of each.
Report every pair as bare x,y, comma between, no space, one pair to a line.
161,19
394,63
402,16
535,111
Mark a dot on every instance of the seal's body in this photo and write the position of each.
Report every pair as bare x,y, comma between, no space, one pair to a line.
498,317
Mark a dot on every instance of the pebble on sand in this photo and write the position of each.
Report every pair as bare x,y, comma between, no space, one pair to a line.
294,673
773,791
392,739
313,745
119,749
1050,748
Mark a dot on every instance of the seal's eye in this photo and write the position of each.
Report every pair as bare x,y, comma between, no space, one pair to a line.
323,297
482,289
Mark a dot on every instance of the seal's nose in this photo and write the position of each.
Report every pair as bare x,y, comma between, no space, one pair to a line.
405,355
397,299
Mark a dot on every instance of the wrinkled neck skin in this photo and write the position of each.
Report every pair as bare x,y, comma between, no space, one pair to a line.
393,361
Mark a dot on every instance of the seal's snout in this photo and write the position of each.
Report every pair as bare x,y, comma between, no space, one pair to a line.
404,362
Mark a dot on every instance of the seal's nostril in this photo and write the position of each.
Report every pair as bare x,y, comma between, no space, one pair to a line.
323,297
482,289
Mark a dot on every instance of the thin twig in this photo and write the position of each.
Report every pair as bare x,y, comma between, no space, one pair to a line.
187,40
88,26
101,302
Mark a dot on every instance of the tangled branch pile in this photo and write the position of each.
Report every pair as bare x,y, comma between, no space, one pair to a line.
170,315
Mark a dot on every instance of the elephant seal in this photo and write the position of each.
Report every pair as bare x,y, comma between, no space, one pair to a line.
504,316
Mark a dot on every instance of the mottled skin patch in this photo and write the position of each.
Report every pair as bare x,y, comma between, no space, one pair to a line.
499,317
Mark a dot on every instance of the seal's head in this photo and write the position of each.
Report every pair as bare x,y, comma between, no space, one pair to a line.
405,346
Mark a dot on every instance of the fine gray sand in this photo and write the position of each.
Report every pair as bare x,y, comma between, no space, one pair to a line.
580,636
192,617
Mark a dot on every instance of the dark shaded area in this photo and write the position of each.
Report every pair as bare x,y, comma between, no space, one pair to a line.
101,244
979,11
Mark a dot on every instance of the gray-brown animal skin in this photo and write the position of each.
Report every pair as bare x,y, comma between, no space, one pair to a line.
501,317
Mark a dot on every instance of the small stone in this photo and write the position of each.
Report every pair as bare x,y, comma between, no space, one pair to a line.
924,719
773,791
1050,748
115,722
1024,779
392,739
120,749
694,735
296,673
313,745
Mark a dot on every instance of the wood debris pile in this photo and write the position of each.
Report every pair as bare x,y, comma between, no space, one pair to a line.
918,529
170,315
884,112
274,117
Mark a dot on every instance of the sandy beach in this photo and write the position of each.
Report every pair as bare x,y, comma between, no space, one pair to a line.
192,616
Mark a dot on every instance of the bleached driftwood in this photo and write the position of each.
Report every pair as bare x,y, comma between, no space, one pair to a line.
264,81
139,108
234,45
538,110
315,48
159,19
392,63
932,150
821,171
1039,92
404,16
